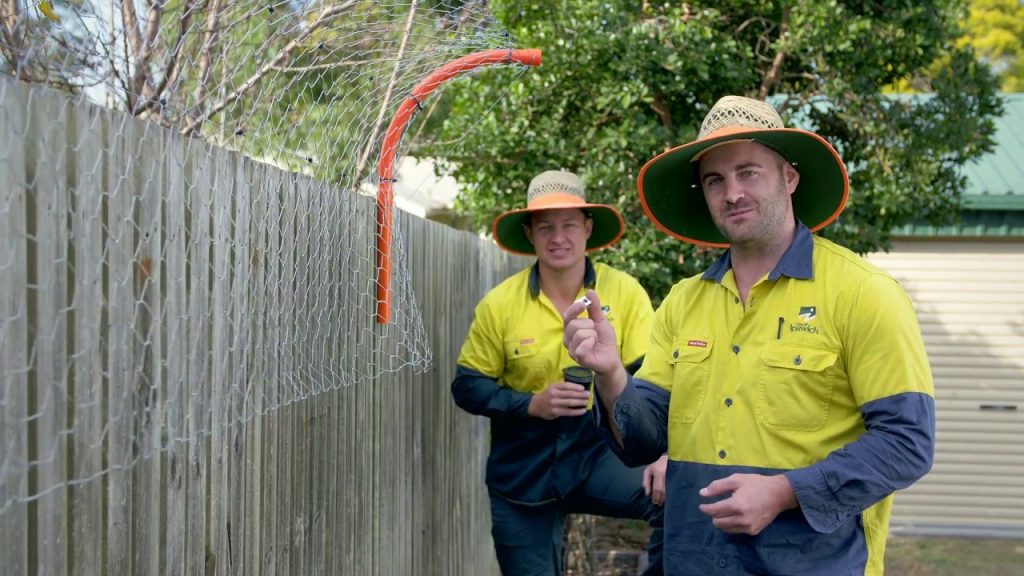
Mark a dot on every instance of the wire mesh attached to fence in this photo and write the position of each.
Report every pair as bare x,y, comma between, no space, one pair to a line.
154,285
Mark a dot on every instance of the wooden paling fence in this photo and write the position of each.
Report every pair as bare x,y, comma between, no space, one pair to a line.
192,379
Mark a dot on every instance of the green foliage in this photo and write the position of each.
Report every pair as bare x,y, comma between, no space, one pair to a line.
624,80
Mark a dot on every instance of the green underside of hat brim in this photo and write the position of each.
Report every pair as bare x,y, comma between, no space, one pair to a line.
509,234
674,200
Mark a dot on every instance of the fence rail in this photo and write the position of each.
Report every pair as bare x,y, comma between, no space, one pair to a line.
192,379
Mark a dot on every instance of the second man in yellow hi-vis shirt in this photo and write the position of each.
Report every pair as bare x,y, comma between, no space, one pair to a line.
546,457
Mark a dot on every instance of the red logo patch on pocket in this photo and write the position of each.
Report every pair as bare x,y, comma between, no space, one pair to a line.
526,341
697,343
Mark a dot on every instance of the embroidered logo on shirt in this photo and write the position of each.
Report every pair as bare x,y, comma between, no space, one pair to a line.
526,341
808,313
697,343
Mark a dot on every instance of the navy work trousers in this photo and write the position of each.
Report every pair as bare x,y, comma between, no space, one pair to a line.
528,539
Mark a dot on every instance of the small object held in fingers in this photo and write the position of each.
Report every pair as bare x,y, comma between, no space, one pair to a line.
586,301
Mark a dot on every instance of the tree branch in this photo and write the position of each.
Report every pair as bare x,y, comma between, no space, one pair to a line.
130,24
663,112
387,97
772,76
209,36
9,16
330,65
12,46
170,75
325,14
142,80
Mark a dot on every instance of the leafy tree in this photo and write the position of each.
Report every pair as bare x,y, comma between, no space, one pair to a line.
624,80
995,29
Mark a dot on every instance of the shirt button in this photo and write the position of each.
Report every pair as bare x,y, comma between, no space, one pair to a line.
722,563
675,354
798,361
728,401
737,300
721,453
735,349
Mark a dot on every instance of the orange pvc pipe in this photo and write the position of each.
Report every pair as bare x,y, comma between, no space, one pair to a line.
389,149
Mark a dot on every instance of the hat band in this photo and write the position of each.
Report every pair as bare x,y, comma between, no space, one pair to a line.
555,200
730,130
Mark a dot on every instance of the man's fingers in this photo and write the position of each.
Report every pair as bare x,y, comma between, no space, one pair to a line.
562,411
658,497
583,340
648,480
570,402
720,509
591,303
573,311
719,487
594,311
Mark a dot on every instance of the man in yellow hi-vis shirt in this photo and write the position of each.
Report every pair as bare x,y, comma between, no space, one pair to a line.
788,382
547,459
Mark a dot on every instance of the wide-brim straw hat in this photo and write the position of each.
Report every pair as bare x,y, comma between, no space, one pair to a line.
669,185
552,190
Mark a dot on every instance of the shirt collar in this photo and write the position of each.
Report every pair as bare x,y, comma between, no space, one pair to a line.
796,262
589,276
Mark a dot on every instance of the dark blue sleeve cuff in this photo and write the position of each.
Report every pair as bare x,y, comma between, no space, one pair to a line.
894,452
480,394
641,415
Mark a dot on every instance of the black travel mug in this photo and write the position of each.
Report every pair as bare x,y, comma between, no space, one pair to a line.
578,375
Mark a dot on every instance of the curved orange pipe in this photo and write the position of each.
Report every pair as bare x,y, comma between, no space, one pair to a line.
389,149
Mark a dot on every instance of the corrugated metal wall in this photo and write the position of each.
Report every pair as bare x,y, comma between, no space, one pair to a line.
969,296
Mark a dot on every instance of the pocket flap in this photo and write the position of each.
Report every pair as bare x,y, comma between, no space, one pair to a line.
690,350
520,348
799,357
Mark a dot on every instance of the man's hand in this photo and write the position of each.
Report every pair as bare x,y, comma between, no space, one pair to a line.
754,501
654,480
558,400
591,340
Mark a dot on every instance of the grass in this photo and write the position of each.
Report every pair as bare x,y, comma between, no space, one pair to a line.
934,556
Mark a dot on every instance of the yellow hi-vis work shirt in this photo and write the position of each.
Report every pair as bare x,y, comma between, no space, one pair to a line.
514,350
821,375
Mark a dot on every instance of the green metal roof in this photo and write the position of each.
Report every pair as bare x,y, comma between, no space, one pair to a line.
971,223
993,202
996,181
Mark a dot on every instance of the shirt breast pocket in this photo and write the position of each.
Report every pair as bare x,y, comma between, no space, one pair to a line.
525,368
691,369
795,385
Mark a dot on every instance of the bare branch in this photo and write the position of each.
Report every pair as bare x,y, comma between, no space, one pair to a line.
11,45
325,15
130,23
142,81
387,96
212,17
772,76
170,75
9,12
330,65
663,112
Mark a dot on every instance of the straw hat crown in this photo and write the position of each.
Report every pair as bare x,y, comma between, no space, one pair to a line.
555,181
736,111
554,190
